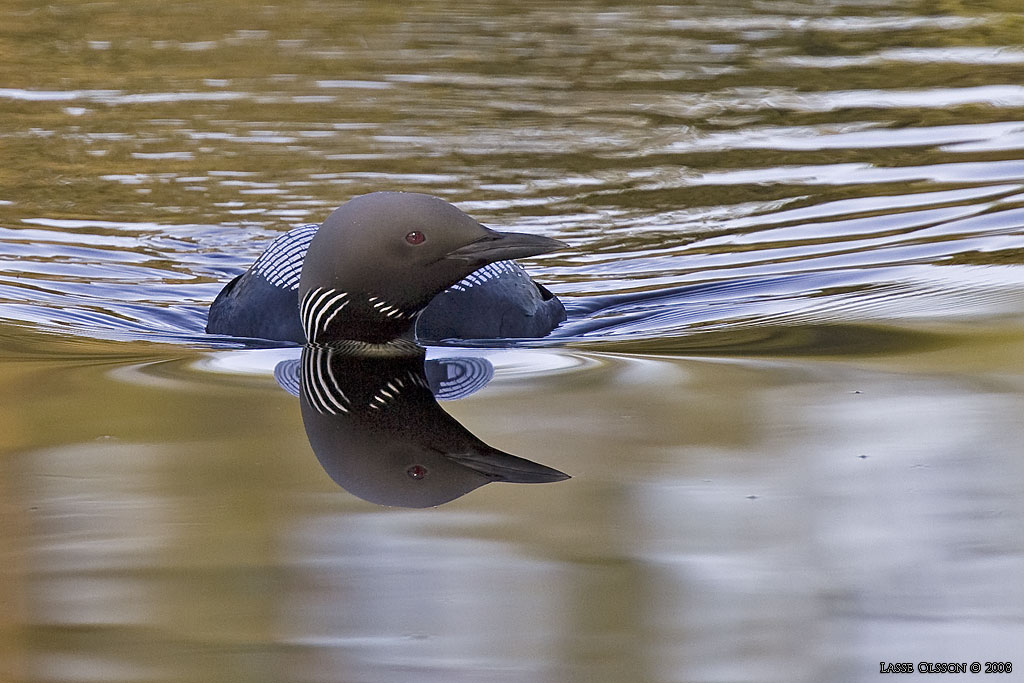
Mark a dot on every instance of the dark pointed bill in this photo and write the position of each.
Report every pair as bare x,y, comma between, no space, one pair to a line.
504,246
509,468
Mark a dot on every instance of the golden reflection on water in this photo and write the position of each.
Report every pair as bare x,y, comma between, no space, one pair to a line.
173,523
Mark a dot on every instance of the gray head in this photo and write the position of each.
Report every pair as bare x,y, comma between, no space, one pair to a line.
380,258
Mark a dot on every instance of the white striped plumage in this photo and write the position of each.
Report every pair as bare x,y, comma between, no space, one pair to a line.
281,263
319,307
390,310
396,386
321,386
489,272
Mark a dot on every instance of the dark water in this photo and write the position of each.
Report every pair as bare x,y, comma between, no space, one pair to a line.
789,394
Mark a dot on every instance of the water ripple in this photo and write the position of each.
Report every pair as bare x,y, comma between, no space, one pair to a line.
714,170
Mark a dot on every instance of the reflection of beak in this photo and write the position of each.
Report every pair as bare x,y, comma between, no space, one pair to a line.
501,466
502,246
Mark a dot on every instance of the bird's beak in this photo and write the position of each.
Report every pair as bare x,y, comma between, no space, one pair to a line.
501,466
503,246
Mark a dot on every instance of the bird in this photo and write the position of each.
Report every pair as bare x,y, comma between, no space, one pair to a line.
390,265
378,432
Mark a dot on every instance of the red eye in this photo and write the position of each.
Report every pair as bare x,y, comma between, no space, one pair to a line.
415,237
416,472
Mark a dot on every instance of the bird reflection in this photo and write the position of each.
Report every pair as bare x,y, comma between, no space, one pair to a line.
377,429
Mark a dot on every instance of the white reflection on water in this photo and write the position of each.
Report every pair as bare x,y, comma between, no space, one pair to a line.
866,135
884,521
954,55
380,596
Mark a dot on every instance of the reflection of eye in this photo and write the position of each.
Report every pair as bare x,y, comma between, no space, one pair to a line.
416,472
415,237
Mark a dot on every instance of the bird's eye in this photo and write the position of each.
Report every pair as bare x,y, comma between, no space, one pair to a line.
416,472
415,237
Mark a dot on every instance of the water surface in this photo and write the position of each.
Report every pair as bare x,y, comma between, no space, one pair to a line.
789,393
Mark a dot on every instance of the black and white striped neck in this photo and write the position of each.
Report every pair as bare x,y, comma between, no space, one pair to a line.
335,382
331,315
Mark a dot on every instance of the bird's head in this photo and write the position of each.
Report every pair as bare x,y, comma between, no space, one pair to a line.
380,258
